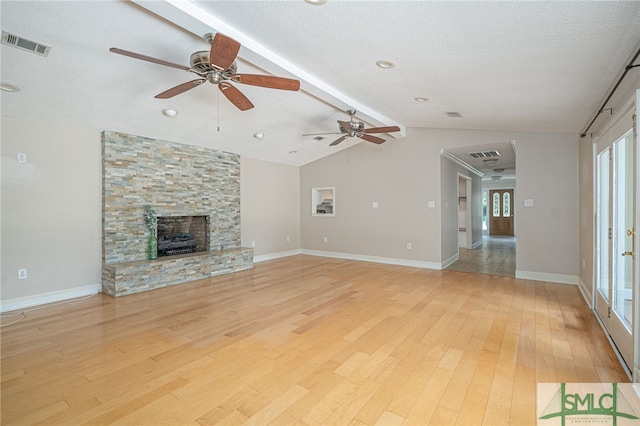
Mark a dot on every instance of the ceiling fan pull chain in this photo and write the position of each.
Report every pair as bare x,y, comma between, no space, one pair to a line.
218,109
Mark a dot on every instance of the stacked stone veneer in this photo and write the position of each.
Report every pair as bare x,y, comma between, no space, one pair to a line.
177,180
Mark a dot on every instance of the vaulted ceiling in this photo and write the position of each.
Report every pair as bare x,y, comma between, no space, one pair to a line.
522,66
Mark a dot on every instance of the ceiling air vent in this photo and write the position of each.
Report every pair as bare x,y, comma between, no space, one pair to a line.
24,44
454,114
484,154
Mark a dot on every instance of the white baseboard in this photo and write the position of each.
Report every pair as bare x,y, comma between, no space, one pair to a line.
278,255
375,259
552,278
583,290
477,244
614,347
450,260
50,297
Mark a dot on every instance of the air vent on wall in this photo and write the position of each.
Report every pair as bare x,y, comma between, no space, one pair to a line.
24,44
454,114
484,154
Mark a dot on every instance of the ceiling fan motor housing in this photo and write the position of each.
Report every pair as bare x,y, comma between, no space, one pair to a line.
200,62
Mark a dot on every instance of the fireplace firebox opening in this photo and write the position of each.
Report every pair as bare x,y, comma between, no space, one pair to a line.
182,234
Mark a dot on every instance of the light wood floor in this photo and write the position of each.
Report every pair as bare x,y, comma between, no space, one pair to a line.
308,341
496,256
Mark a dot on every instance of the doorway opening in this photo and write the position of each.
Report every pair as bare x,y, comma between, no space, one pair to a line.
491,249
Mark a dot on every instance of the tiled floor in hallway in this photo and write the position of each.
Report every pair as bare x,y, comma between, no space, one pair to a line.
496,255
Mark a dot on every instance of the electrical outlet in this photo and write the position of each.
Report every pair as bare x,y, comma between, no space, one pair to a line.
375,204
22,158
288,239
22,274
326,239
253,243
408,246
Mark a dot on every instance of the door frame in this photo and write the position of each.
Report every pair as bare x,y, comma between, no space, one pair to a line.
634,368
468,217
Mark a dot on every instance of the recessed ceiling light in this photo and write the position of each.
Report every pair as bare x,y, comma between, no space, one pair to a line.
293,152
385,64
258,135
170,112
421,99
9,87
316,2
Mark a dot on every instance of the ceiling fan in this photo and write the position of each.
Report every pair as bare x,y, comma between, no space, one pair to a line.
217,66
351,128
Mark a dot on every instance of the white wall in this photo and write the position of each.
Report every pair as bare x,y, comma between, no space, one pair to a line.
51,209
547,173
270,207
403,175
398,175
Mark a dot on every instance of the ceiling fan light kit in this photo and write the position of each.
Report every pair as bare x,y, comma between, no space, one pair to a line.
217,66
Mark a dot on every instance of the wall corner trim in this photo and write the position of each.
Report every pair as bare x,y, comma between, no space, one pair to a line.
544,276
50,297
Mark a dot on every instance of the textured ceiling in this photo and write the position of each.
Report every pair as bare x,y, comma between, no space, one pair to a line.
524,66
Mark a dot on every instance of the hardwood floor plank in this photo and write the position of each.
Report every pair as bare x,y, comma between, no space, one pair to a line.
304,340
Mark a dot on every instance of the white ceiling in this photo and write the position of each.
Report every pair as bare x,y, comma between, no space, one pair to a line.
522,66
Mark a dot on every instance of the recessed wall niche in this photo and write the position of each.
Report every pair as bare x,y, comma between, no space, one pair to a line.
323,201
176,180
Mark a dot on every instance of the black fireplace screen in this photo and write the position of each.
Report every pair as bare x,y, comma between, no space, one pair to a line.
182,234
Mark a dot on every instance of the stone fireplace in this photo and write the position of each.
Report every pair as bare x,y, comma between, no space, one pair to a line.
195,193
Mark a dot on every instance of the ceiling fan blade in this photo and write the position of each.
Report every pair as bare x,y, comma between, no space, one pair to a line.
180,88
223,51
337,141
345,125
148,58
373,139
235,96
387,129
268,81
